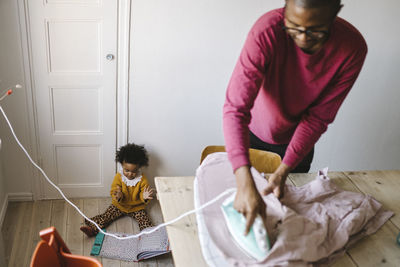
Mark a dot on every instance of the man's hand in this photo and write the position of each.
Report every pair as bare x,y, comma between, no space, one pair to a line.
117,194
248,200
277,180
147,192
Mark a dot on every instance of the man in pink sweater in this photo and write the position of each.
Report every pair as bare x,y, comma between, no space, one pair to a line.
295,69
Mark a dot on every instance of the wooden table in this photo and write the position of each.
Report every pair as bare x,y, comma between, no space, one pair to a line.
380,249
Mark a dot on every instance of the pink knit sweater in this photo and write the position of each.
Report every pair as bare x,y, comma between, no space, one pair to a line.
285,96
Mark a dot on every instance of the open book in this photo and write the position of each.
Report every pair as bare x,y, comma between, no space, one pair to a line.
133,249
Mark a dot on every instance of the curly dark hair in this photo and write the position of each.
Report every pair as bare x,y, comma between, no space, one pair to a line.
134,154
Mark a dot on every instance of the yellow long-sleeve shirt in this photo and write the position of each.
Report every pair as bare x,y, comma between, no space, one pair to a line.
132,196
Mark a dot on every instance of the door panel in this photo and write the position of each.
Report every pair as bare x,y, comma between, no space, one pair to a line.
75,93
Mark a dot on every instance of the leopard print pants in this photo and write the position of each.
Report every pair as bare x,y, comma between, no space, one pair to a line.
112,213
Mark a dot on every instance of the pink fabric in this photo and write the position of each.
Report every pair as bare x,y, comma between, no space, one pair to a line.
285,96
313,224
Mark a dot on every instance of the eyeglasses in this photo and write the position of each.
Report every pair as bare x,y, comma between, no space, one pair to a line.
309,33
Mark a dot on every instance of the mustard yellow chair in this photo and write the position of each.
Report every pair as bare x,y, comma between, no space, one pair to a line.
263,161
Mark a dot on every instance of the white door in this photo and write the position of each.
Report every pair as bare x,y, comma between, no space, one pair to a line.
73,47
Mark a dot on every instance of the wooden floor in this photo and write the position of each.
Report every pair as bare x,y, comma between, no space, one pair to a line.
24,220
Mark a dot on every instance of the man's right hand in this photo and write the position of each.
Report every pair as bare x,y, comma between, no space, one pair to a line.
248,200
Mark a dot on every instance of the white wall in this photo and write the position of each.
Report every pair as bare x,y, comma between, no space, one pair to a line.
2,251
3,207
17,175
366,132
182,56
3,195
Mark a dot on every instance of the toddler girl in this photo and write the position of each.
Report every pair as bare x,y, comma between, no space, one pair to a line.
130,191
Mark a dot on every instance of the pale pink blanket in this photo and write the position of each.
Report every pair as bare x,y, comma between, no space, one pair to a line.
312,225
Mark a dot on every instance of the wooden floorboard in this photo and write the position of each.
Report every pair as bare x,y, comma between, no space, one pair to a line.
10,228
90,209
40,220
20,242
24,220
74,237
59,216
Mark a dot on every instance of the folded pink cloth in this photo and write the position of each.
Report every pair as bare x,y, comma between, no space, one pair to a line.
312,225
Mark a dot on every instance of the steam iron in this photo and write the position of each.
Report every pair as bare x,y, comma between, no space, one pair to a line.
256,244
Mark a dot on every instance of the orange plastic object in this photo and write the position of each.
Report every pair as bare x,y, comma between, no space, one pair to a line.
51,251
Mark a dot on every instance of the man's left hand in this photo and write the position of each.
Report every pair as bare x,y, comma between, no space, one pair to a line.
277,181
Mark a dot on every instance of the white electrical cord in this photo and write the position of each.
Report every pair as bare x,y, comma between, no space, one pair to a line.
226,192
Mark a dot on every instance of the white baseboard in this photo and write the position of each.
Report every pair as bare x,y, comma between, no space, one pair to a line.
16,197
13,197
3,211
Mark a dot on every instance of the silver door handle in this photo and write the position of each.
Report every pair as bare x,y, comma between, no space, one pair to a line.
110,57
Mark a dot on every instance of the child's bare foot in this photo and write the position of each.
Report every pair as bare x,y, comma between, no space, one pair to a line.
88,231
